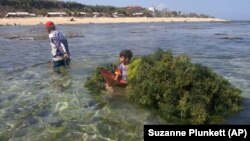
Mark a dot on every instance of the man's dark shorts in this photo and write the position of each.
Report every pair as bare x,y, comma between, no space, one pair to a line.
60,63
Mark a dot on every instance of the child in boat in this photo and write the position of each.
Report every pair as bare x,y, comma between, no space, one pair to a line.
121,72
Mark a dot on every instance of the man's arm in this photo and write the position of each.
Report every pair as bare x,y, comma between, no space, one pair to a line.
59,46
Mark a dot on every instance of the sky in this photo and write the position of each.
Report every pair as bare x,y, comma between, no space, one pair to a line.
225,9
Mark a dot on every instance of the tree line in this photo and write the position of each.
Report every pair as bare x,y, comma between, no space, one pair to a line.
42,7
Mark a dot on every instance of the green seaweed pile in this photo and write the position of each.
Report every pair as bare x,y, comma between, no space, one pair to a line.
95,82
181,91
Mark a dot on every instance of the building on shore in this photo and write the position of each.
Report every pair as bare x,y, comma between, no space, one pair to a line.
96,14
116,15
19,14
56,14
78,14
82,14
152,10
139,14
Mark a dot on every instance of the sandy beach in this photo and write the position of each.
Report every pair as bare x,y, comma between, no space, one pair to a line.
68,20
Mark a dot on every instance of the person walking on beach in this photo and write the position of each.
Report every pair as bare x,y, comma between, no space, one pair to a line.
59,46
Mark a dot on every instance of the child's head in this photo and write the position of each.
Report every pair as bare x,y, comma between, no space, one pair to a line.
125,56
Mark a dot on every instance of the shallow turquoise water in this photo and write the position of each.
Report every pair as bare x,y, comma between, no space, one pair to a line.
35,104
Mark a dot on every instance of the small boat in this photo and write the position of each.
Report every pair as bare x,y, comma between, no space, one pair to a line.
110,79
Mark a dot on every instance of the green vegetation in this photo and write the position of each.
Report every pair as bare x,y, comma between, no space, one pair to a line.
95,83
182,90
179,90
42,7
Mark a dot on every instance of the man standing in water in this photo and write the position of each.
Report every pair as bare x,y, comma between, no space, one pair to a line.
59,46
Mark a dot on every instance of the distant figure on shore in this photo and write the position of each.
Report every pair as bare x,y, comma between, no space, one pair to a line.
59,46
